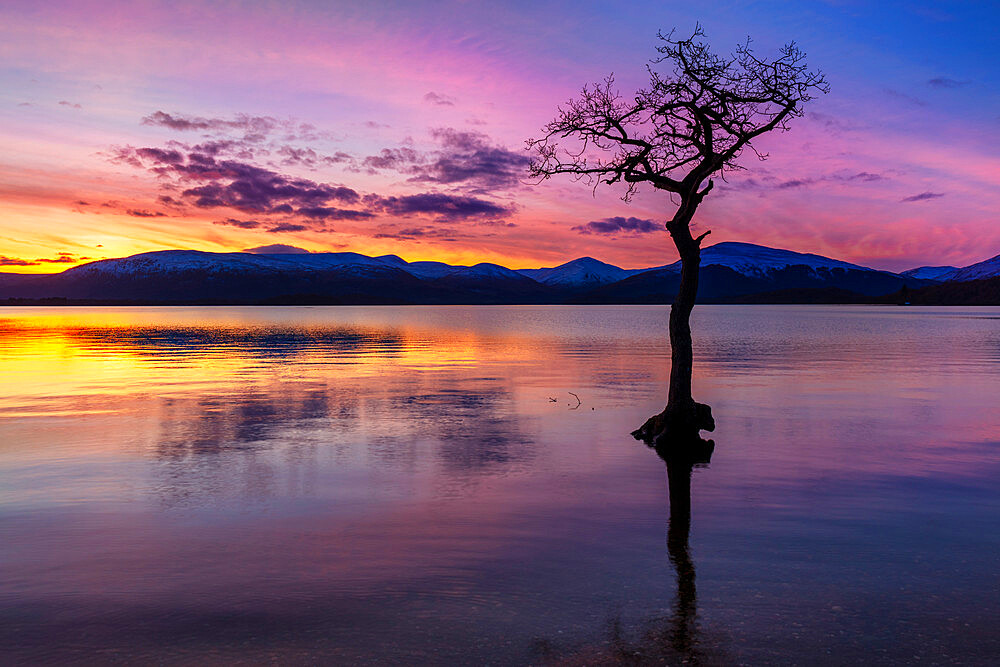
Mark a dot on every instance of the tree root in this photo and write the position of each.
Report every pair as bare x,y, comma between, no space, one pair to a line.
676,426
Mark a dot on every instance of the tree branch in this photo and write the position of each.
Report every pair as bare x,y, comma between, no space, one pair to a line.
695,118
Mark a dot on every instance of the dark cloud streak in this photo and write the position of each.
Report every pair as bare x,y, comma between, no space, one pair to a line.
61,258
923,196
276,249
619,225
945,82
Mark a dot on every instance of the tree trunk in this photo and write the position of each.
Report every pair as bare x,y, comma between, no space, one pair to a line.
681,354
682,419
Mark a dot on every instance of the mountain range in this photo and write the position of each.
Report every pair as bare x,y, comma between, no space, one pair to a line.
731,272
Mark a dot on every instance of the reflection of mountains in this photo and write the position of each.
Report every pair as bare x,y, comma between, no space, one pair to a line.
236,432
258,341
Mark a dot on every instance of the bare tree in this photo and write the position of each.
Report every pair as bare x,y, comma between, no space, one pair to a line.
698,115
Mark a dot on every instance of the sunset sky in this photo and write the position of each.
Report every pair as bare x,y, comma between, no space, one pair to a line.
400,127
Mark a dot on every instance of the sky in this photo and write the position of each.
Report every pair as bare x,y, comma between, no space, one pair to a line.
400,128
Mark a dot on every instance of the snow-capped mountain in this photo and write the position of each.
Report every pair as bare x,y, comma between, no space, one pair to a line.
426,270
582,272
931,272
729,271
167,262
989,268
485,270
757,261
985,269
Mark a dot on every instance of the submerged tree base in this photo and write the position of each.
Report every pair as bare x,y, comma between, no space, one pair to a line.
676,425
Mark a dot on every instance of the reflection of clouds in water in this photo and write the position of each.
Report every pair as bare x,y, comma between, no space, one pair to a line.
246,438
236,445
242,445
477,431
210,488
235,410
194,425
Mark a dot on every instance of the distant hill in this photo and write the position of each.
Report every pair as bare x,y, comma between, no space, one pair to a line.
989,268
986,269
939,273
984,292
760,261
722,284
731,273
582,272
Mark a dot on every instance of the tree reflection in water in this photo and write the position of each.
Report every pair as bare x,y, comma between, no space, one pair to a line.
681,462
675,639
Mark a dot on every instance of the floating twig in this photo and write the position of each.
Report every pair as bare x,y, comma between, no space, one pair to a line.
578,401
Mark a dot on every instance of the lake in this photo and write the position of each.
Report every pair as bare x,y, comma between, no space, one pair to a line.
420,485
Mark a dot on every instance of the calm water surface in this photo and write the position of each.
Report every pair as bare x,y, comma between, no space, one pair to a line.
397,485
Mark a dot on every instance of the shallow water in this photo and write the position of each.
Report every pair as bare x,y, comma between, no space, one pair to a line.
396,484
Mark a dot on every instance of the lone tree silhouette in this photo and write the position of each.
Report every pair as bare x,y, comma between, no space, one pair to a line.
694,120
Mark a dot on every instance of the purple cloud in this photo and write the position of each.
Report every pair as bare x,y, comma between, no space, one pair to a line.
287,227
443,206
465,159
277,249
468,157
923,196
330,213
795,183
399,159
61,258
242,224
16,261
864,176
619,225
254,129
272,227
197,176
137,213
417,233
439,99
945,82
906,98
251,125
239,185
307,157
769,181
